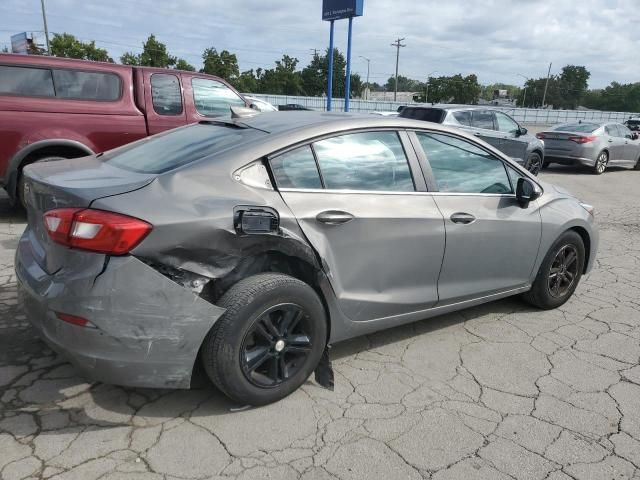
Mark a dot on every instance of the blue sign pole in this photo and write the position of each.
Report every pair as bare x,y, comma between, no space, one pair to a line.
347,88
330,73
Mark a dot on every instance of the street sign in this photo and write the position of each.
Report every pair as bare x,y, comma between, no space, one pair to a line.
339,9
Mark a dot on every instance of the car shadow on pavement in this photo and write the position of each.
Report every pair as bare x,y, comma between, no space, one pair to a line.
50,386
579,170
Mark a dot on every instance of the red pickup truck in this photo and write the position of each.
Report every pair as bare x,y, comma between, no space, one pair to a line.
63,108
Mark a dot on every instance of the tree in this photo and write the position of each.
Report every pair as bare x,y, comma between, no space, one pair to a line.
488,91
154,54
182,64
573,82
616,97
68,46
314,76
453,89
223,64
5,49
283,79
404,84
247,82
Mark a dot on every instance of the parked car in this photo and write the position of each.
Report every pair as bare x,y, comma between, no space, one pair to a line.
292,107
250,244
594,145
493,126
63,108
386,114
633,124
260,105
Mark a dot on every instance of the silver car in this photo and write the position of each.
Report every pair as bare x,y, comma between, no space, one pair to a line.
594,145
250,244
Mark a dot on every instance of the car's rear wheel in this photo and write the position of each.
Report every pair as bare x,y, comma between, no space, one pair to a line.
534,163
637,165
269,340
559,274
601,163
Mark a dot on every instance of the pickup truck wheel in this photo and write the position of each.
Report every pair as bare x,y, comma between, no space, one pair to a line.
269,340
20,183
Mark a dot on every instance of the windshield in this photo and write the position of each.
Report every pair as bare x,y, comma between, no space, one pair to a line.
435,115
179,147
578,127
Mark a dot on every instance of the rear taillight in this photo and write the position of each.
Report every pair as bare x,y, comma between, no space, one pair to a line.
95,230
74,320
540,136
581,139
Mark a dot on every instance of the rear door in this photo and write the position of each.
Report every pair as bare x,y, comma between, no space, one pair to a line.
484,126
379,234
492,243
615,142
512,144
163,101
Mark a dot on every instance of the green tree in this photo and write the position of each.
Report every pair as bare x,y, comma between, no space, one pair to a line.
154,54
488,91
572,85
247,82
283,79
453,89
616,97
314,76
223,64
182,64
404,84
5,49
68,46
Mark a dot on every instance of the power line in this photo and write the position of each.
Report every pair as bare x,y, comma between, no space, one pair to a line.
398,44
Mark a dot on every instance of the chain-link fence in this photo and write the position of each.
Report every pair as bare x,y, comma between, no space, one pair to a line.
529,116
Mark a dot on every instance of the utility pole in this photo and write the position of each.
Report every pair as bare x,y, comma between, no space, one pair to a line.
315,51
398,44
368,65
46,29
546,85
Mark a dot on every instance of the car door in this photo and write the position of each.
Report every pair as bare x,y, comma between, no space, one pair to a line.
631,151
164,107
379,234
513,144
615,143
492,243
483,126
206,97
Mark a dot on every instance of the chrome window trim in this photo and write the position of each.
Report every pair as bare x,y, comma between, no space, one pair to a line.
378,192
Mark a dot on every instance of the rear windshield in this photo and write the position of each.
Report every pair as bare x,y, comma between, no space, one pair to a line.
180,147
435,115
578,127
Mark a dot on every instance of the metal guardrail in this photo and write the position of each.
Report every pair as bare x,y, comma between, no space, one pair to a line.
528,116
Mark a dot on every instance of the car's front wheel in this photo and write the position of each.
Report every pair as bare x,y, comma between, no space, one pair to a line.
560,272
269,340
534,163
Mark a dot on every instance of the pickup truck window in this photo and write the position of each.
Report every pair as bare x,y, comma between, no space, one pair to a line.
213,98
87,85
26,82
166,94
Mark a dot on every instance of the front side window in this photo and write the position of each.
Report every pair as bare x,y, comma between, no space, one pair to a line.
26,82
483,119
373,161
213,98
460,167
506,124
166,94
296,169
86,85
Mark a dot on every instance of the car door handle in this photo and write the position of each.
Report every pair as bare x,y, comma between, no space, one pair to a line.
611,140
334,217
463,218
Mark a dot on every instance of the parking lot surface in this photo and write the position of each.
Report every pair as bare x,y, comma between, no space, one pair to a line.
502,391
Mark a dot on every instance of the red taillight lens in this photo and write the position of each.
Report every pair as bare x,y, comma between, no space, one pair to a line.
580,139
95,230
540,136
73,320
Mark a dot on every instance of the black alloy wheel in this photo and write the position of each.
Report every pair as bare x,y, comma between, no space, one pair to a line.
563,272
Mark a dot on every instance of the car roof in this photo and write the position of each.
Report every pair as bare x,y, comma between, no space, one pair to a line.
451,107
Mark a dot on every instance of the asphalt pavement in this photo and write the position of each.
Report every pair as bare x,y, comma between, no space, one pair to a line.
501,391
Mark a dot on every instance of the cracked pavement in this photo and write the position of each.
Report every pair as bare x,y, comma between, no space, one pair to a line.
501,391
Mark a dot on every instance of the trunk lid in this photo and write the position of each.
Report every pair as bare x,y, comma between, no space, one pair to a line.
560,141
73,183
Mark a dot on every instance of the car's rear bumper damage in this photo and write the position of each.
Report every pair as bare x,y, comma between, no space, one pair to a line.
145,330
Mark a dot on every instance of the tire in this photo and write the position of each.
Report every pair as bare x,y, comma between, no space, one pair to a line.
637,165
543,293
20,183
601,163
245,332
545,165
534,163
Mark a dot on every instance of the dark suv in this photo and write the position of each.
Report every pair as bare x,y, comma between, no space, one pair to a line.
493,126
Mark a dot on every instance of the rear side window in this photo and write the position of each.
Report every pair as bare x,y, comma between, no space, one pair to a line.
373,161
483,119
87,85
166,94
463,118
435,115
296,169
214,98
179,147
26,82
460,167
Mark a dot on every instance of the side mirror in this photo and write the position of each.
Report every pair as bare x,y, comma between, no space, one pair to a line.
634,136
527,191
522,131
254,106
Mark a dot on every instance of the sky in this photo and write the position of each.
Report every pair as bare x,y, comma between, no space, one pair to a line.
498,40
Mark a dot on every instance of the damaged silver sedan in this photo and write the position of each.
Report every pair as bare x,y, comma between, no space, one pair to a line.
251,244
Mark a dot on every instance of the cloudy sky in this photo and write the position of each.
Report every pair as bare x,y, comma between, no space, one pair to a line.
496,39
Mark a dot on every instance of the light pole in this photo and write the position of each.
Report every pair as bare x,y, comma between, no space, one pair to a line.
368,65
426,94
524,97
546,86
46,29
